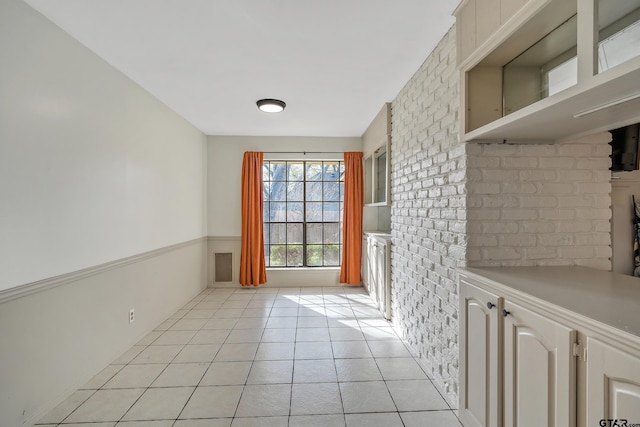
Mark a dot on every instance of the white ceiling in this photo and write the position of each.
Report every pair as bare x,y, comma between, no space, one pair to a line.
334,62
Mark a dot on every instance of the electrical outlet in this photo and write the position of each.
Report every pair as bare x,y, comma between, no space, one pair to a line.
132,316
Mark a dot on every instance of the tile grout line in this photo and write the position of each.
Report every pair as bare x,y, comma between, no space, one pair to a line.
359,311
158,376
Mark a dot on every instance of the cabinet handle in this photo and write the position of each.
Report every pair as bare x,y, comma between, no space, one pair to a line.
505,313
490,305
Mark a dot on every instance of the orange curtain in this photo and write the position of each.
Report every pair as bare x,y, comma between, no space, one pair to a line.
352,219
252,265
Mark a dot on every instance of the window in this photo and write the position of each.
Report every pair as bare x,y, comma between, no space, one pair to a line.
303,202
562,76
620,46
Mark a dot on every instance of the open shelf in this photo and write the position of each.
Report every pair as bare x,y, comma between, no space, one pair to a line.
562,115
555,69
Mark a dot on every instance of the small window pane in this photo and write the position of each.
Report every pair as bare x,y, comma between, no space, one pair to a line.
331,191
295,212
277,212
314,171
314,191
265,228
331,171
314,255
266,191
296,173
277,192
265,210
314,212
294,255
278,255
332,233
278,171
294,233
278,233
314,233
331,211
295,191
332,255
266,172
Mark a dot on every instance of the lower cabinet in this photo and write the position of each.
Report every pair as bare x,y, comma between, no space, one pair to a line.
376,270
613,386
538,370
480,358
526,362
516,368
365,270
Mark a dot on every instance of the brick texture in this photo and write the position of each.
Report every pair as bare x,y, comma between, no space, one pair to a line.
456,204
428,165
533,205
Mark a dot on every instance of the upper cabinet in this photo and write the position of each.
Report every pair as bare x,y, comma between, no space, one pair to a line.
547,69
376,162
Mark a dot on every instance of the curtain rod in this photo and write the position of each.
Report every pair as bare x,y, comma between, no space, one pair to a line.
303,152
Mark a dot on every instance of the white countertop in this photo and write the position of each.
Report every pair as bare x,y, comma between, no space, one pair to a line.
378,234
610,298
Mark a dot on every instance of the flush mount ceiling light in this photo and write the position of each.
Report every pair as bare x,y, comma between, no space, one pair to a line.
271,105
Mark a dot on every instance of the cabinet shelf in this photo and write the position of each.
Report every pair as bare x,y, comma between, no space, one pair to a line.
550,70
563,115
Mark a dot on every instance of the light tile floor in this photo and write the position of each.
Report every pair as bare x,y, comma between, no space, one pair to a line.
269,357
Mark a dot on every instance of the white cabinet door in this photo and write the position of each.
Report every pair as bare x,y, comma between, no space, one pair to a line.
480,370
364,267
383,277
613,385
374,286
539,370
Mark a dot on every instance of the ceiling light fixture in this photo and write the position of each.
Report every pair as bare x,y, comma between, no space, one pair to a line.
271,105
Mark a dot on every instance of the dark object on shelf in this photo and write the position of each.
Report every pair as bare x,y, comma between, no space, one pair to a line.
624,148
636,240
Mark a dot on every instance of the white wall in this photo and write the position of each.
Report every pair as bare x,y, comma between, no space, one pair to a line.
225,162
92,168
55,340
224,187
95,175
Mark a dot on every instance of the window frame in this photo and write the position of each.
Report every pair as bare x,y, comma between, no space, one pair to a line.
305,223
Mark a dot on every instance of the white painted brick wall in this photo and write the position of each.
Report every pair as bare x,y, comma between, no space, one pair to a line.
428,213
539,204
457,204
